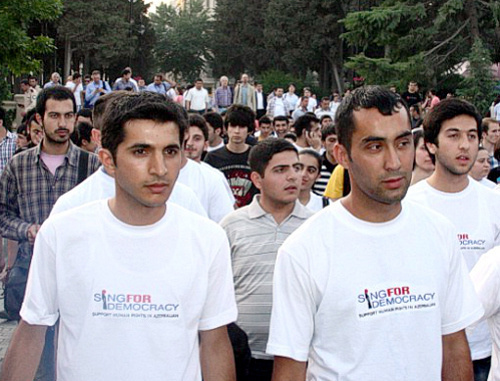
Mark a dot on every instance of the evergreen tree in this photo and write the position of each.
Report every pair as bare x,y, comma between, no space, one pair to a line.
182,39
478,85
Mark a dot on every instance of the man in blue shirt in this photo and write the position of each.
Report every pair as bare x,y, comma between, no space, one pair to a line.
158,86
95,89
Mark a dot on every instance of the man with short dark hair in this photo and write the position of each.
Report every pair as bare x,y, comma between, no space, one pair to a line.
302,108
266,129
125,83
84,141
30,95
34,179
232,159
451,133
412,96
278,105
95,89
152,279
324,109
280,126
260,100
255,233
215,125
197,100
355,282
76,87
308,132
328,164
158,86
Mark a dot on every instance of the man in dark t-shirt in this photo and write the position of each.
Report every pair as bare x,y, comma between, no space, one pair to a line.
232,159
412,96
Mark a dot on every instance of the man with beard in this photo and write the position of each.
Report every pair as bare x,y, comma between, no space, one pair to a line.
34,179
451,131
357,294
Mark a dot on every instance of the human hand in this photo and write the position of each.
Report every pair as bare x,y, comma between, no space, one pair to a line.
32,232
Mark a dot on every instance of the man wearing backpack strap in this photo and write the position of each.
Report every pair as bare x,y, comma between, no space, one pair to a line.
95,89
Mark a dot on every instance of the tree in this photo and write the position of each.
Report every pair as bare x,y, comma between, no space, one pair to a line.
305,35
105,34
415,39
478,86
182,38
238,43
18,51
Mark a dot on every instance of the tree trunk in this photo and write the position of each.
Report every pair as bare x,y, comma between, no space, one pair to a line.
67,58
471,11
338,80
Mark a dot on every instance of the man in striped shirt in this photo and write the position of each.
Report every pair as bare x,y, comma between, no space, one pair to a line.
328,140
255,233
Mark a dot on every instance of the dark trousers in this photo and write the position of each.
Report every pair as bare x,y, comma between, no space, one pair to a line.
481,369
260,370
260,113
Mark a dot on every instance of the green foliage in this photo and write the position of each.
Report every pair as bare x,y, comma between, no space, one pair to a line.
18,51
478,86
182,37
274,78
238,43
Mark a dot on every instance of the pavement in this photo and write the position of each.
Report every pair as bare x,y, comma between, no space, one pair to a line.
6,330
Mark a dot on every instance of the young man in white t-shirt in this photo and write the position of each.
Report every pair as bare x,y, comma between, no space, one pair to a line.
372,288
197,98
451,132
142,288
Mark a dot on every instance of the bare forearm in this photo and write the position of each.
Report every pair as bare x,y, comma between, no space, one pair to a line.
23,355
457,363
286,369
216,355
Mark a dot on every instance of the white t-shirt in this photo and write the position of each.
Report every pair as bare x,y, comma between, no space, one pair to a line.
475,213
486,279
100,186
131,299
198,98
209,188
221,144
77,93
487,183
222,178
315,203
370,301
496,112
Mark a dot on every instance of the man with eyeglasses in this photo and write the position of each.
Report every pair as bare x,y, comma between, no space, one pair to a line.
32,182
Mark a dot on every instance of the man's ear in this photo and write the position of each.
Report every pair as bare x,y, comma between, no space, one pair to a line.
96,136
341,155
107,161
39,119
256,180
431,147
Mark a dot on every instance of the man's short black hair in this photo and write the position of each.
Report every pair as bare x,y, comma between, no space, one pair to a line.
57,93
366,97
303,123
86,112
2,115
278,118
265,120
325,116
327,131
262,153
291,136
125,72
100,107
239,115
139,106
76,75
445,110
84,131
198,80
197,120
214,119
24,82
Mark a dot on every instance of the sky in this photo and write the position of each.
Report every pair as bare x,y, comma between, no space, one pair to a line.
155,3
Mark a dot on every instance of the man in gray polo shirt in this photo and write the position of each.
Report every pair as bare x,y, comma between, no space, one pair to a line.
255,233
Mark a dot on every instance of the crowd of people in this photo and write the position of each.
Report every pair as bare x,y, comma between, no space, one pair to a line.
164,234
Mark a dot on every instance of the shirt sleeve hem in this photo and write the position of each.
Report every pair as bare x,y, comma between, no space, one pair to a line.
278,350
463,323
33,319
224,318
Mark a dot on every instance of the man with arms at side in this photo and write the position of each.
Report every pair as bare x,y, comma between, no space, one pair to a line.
255,233
451,133
173,301
357,294
101,185
328,140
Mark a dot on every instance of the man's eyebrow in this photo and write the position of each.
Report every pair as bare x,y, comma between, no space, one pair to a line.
404,135
139,146
370,139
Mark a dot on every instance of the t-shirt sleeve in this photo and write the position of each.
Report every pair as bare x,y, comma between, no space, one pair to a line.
294,307
220,304
486,280
461,305
40,304
335,187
